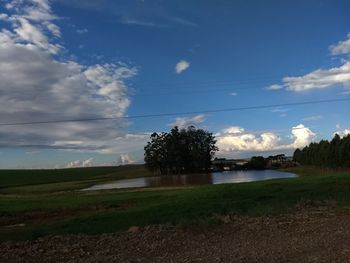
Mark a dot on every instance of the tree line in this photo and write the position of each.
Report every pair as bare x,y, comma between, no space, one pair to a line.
332,154
180,151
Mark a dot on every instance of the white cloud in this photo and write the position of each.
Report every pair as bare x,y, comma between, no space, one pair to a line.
274,87
182,21
32,34
125,159
82,31
302,136
233,94
247,142
279,109
313,118
78,163
342,133
138,22
110,79
321,78
157,21
30,20
122,159
236,139
37,86
181,66
184,122
4,17
54,29
342,47
233,130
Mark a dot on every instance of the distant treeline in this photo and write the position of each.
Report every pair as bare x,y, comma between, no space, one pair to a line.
333,154
271,162
255,163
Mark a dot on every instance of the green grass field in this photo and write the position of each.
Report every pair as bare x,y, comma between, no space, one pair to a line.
45,181
29,211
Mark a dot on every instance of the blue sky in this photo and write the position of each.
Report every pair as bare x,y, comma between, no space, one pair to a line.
102,58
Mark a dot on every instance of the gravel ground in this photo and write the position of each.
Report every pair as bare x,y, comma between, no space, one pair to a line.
317,236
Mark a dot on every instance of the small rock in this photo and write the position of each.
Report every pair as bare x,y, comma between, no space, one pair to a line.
133,229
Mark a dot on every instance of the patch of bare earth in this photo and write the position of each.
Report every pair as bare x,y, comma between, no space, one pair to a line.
42,216
313,236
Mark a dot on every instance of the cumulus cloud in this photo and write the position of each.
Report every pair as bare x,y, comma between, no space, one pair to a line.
302,136
79,163
233,130
37,86
125,159
181,66
236,139
122,159
184,122
321,78
342,47
239,140
342,133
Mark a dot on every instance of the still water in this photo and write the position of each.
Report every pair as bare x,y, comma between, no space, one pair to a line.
193,179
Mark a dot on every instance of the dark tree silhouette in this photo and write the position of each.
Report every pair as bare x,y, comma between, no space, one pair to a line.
335,153
257,163
180,151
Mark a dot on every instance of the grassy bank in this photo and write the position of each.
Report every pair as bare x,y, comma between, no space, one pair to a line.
44,181
26,216
316,171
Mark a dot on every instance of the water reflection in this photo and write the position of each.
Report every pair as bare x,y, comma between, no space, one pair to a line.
193,179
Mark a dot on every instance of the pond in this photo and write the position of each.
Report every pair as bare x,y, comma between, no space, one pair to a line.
193,179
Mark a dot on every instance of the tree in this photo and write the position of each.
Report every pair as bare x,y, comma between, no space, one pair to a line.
257,163
297,156
335,153
179,151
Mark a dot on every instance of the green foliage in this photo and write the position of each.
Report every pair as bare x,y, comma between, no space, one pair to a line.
257,163
185,150
333,154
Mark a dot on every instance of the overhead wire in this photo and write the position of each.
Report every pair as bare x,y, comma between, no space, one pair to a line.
180,113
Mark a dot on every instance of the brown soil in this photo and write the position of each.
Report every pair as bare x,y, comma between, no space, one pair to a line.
317,236
42,216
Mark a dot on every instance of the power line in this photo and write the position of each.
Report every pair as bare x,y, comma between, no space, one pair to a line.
179,113
198,88
233,134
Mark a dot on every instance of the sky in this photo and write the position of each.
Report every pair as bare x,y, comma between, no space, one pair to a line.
71,60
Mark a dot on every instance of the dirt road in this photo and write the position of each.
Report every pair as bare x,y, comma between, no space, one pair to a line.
317,236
